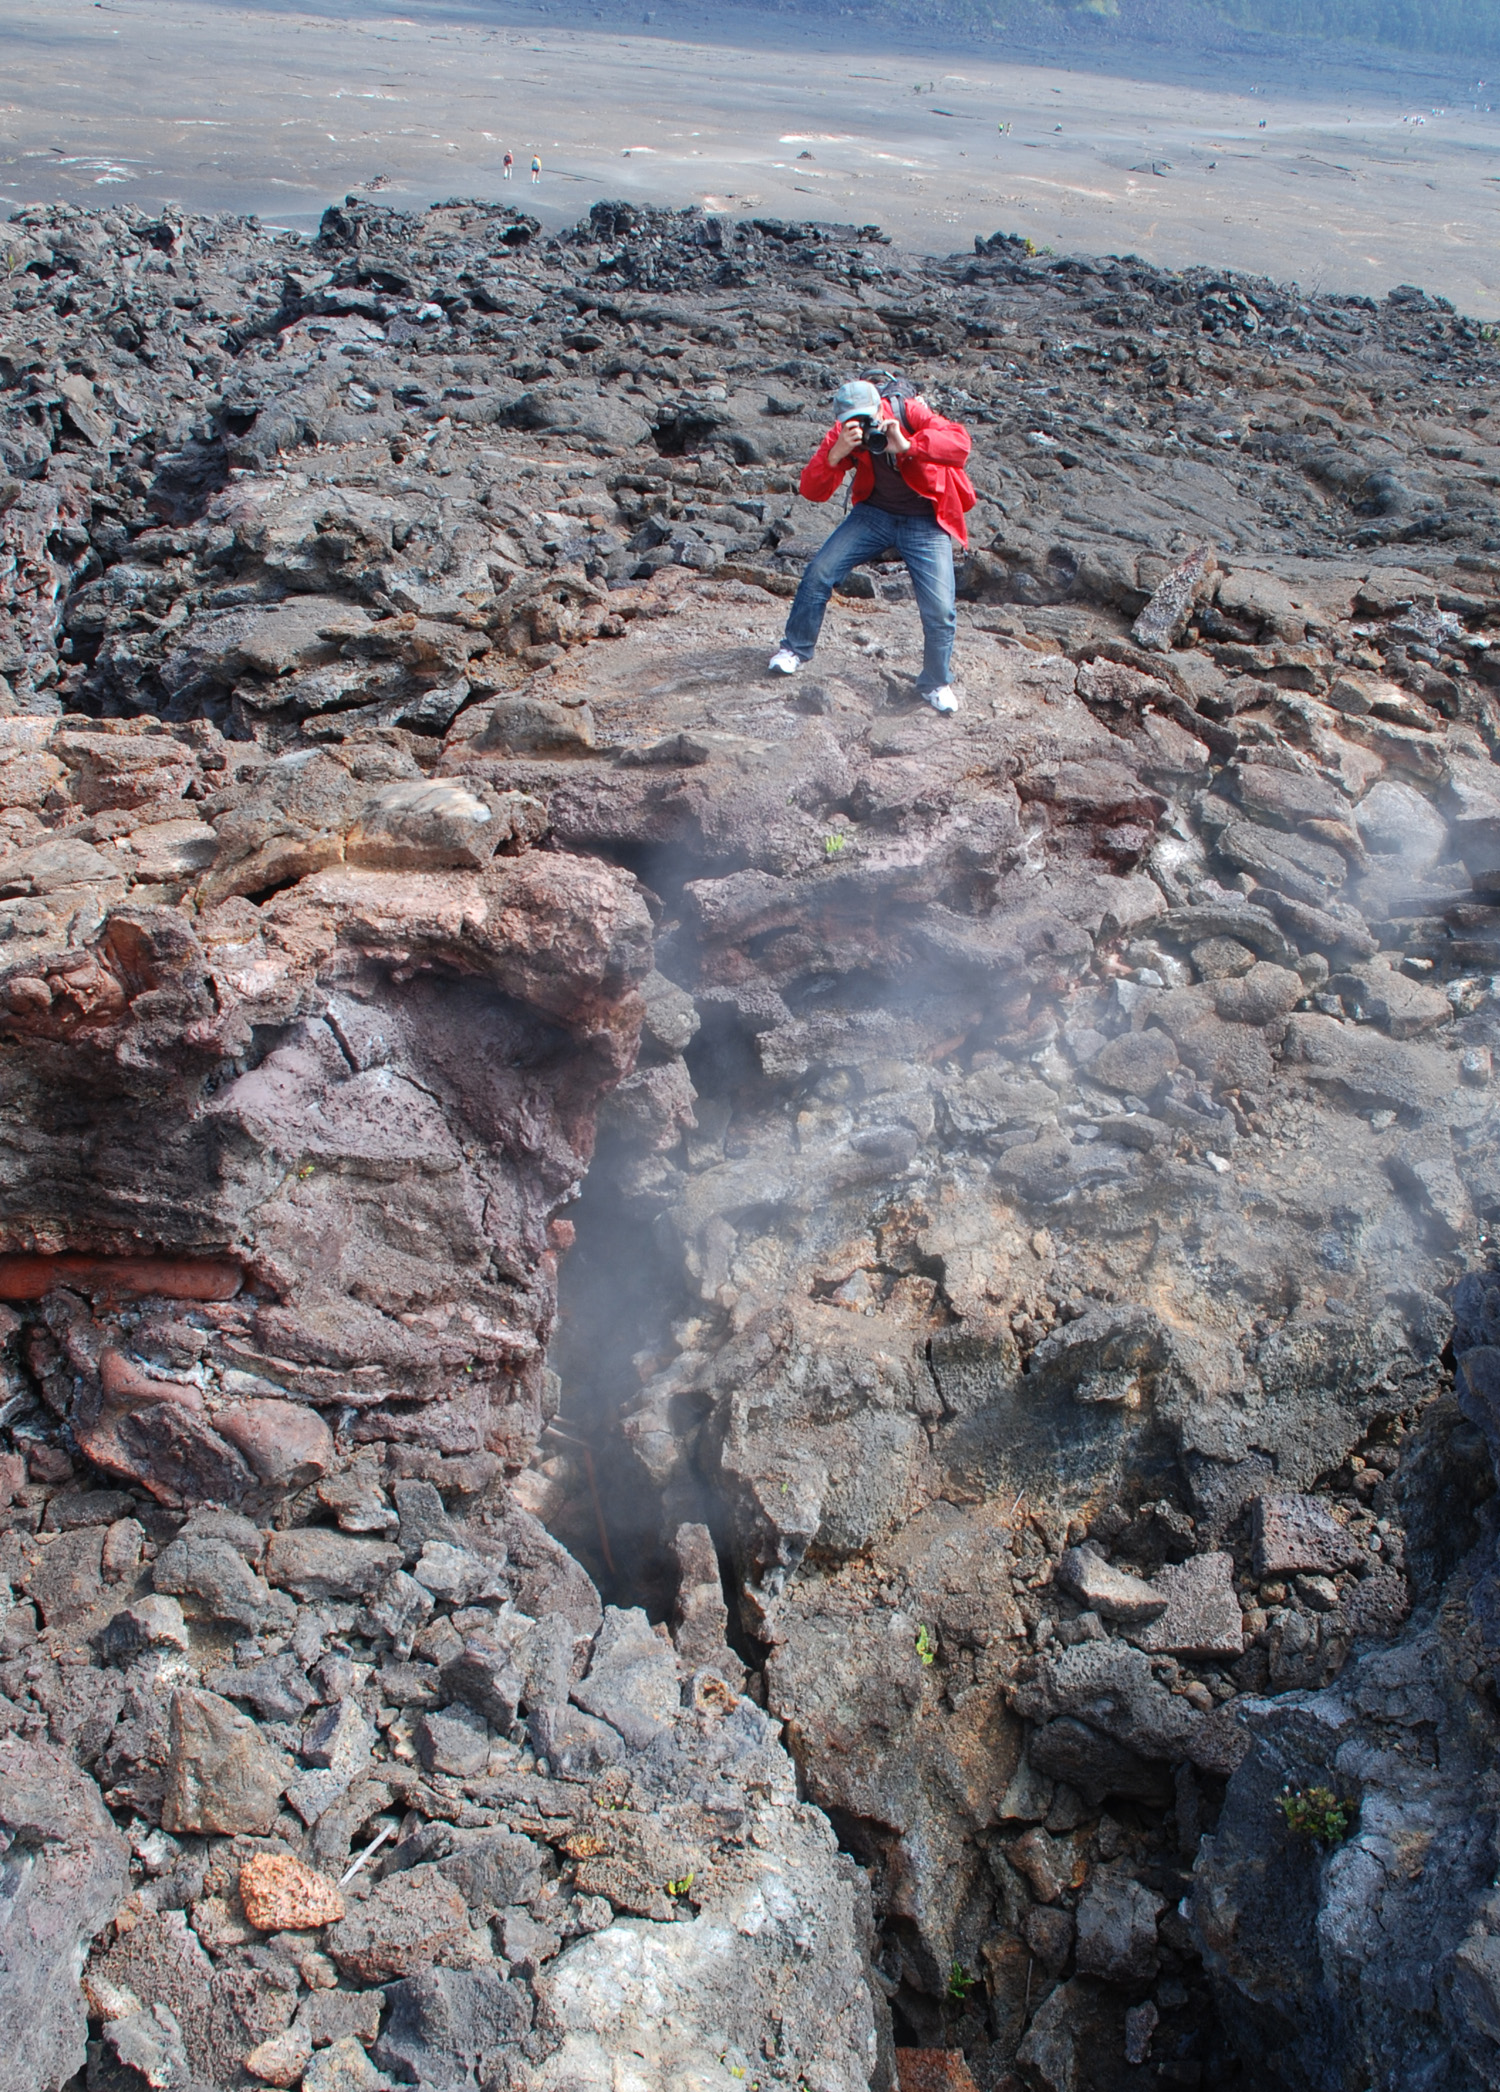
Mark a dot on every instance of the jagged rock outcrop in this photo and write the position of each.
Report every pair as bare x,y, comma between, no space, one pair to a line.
1006,1176
1370,1947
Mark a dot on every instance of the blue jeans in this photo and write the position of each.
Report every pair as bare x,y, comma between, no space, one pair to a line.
927,550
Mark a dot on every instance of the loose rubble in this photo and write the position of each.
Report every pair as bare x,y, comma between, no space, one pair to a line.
707,1385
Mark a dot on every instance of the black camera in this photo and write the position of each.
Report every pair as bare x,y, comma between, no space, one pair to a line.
876,440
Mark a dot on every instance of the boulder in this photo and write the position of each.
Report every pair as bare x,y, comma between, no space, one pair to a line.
484,1677
67,1580
423,1518
446,2027
1396,820
64,1872
312,1562
1201,1613
1112,1688
151,1623
574,1744
453,1740
150,2046
1103,1355
631,1681
1103,1588
1080,2020
438,825
344,2067
406,1921
281,1894
1293,1533
535,726
400,1609
1165,618
221,1773
286,1444
198,1565
277,1687
1135,1062
493,1870
456,1574
1116,1929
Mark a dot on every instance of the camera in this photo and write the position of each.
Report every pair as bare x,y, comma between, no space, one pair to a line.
874,436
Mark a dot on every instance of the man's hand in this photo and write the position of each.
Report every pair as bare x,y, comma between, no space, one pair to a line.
848,440
900,442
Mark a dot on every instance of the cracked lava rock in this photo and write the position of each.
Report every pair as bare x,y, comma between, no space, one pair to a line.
710,1384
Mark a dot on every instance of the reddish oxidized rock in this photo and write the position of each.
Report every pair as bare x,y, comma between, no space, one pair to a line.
286,1443
280,1894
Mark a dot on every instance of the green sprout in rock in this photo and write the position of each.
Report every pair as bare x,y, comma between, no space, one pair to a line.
960,1982
680,1888
926,1646
832,844
1316,1813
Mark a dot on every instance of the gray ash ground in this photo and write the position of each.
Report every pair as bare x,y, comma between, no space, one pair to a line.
972,1235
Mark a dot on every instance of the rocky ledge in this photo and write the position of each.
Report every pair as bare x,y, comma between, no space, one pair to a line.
710,1383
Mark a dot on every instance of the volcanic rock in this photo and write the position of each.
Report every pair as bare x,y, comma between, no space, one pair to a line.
1298,1532
282,1895
1202,1615
494,1089
65,1873
1116,1923
221,1775
404,1924
1104,1588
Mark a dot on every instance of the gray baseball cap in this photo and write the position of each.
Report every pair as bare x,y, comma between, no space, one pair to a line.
859,396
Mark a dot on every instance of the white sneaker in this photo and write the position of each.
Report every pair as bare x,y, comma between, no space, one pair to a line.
784,662
943,699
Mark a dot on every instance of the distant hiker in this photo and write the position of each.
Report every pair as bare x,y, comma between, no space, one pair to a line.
536,168
507,164
910,495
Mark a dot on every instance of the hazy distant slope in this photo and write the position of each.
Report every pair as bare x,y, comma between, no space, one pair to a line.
1417,25
1453,27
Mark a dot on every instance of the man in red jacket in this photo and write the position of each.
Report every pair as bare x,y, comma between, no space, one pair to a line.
910,495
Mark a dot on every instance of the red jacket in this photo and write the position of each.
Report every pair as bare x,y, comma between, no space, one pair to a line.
932,467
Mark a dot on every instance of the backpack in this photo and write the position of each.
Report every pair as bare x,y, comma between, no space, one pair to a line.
898,392
894,390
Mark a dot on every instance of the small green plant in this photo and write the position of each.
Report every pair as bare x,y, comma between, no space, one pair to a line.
960,1982
305,1172
680,1888
1315,1813
1029,244
832,844
926,1645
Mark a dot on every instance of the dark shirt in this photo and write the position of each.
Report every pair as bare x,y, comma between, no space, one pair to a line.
892,493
